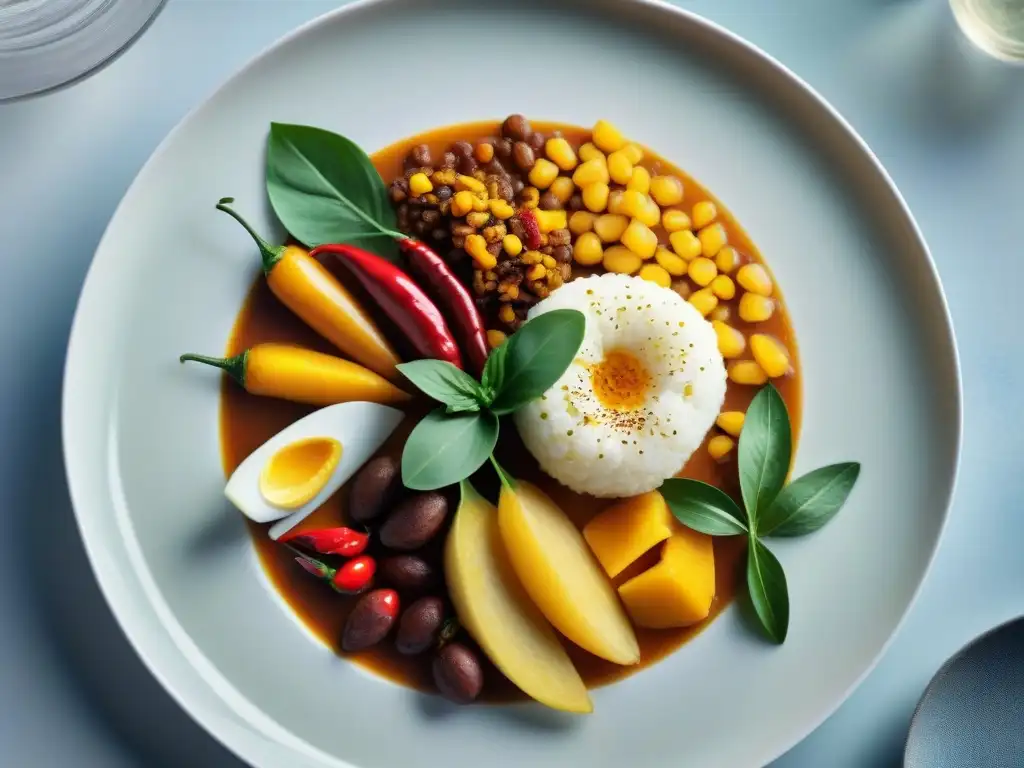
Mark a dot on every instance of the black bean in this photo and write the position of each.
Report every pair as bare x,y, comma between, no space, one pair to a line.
439,234
503,148
443,192
374,488
431,217
516,127
457,673
420,626
523,154
370,620
408,573
550,202
414,521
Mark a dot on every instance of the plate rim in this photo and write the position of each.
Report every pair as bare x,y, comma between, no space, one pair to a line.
946,331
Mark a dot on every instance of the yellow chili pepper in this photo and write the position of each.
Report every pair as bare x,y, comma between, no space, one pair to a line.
305,286
303,376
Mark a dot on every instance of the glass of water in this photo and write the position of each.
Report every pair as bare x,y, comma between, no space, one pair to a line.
46,44
995,26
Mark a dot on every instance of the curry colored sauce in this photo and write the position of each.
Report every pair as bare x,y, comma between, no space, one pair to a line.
248,421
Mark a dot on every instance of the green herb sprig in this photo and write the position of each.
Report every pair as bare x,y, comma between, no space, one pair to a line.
770,506
455,440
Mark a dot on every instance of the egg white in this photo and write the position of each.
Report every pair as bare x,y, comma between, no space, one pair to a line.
360,427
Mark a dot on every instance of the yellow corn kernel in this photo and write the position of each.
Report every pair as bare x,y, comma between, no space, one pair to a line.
590,172
640,239
620,259
532,257
462,203
500,209
723,287
667,190
469,183
476,245
581,221
481,204
704,300
755,308
483,152
478,219
549,262
619,167
727,259
506,314
770,354
562,188
549,221
632,203
721,313
595,196
712,240
674,220
615,201
704,213
536,272
730,341
731,422
656,274
447,176
495,338
560,152
685,244
670,262
513,245
754,278
589,152
530,197
588,250
650,215
610,226
702,271
720,446
607,137
747,372
640,181
543,173
487,261
634,152
419,184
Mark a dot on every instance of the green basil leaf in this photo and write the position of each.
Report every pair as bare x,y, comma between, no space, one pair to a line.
807,503
766,582
765,449
325,189
444,449
494,370
703,507
443,382
537,356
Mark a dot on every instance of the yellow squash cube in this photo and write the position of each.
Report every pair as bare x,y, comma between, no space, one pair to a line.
679,590
627,529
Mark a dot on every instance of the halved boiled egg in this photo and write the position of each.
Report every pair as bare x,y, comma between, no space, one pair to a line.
292,474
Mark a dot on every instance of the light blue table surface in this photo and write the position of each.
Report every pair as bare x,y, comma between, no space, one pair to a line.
946,122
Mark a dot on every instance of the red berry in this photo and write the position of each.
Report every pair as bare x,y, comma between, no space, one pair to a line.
355,575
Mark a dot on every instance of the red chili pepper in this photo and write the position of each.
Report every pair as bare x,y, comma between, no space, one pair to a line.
341,541
401,300
532,228
450,292
355,575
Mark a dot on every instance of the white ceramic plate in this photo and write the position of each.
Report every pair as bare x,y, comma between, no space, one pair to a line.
881,384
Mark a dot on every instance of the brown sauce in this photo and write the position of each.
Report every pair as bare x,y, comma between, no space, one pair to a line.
248,421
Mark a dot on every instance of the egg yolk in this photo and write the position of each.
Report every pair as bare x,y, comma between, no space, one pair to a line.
296,473
620,381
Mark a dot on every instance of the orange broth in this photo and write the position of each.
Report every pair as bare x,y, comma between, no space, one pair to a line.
248,421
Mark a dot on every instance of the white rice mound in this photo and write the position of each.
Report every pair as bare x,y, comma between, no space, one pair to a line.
597,450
